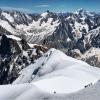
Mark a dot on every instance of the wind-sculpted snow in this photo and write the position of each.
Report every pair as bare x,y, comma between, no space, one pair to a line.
56,72
41,89
31,92
55,76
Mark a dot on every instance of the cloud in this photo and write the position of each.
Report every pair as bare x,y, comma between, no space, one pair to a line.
42,6
18,9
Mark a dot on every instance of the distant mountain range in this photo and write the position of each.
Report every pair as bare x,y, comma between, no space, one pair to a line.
76,34
68,32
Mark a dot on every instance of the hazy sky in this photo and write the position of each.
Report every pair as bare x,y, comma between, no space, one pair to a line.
40,6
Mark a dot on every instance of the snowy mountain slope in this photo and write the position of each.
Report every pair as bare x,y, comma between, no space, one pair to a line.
64,78
55,71
31,92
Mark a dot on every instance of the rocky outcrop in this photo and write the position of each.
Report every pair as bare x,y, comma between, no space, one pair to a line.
16,55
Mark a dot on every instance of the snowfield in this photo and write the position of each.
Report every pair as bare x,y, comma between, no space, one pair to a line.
31,92
55,76
59,85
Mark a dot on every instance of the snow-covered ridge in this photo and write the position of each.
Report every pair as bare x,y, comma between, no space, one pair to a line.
55,71
54,76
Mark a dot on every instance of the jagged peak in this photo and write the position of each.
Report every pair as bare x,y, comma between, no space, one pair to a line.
82,10
46,14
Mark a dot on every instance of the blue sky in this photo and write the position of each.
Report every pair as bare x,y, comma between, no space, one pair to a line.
39,6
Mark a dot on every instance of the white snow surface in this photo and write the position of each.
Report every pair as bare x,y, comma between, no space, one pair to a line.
44,14
14,37
31,92
59,78
60,73
60,84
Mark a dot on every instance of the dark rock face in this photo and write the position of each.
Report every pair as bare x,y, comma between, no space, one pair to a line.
96,41
93,60
2,31
14,56
24,44
5,46
7,56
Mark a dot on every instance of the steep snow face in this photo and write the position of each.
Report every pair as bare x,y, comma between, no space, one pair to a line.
56,72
